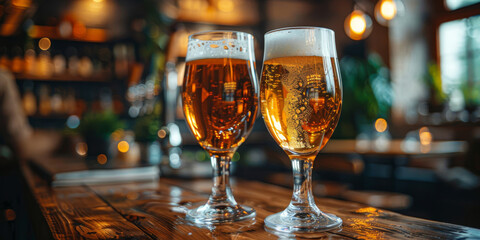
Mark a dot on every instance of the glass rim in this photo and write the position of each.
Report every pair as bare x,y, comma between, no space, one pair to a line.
212,32
300,28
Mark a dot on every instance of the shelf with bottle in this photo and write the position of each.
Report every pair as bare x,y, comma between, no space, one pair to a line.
70,32
51,104
98,77
61,60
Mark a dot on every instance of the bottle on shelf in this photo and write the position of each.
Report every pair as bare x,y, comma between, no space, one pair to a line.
44,64
69,103
45,107
72,61
85,66
29,101
4,59
59,64
17,60
57,102
120,52
30,62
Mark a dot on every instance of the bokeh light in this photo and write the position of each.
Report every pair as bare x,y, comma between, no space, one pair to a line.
102,159
123,146
162,133
381,125
388,9
44,43
81,149
425,136
73,122
358,25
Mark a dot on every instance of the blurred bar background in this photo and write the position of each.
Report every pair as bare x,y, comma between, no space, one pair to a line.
107,74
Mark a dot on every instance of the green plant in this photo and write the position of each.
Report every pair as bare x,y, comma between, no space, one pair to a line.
433,80
146,128
99,125
471,93
367,93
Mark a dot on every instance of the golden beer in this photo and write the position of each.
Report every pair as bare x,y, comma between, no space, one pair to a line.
301,101
219,101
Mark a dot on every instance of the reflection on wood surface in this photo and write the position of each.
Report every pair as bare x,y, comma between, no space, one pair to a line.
156,210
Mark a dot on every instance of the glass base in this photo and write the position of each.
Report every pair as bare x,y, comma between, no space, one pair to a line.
302,222
210,214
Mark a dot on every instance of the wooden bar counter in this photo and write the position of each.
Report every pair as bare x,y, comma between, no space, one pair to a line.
156,210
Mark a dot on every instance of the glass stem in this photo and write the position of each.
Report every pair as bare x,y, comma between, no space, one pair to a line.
302,199
221,191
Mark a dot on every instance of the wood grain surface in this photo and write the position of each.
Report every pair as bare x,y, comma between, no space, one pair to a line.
156,210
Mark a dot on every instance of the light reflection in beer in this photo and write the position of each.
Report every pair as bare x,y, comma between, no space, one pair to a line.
240,107
194,126
229,91
278,129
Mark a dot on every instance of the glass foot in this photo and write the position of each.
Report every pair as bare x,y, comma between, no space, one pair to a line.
208,214
302,222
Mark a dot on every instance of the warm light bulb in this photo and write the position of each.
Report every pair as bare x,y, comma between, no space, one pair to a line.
388,9
358,24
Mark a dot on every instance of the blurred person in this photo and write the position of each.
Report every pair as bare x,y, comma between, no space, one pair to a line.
17,139
15,130
17,143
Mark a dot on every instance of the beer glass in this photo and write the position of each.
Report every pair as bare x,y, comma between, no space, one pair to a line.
301,99
220,99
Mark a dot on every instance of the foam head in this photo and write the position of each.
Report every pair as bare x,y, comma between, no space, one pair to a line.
300,41
220,44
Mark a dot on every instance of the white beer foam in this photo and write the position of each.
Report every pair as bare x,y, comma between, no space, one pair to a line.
291,42
240,48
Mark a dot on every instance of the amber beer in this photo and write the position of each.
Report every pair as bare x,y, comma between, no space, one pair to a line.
219,101
300,111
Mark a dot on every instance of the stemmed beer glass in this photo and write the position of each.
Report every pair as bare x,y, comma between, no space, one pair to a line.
220,99
301,99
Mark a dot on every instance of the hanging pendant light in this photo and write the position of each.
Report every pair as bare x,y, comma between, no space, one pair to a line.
358,25
386,10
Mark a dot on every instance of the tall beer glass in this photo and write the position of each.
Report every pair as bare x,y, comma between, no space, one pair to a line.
301,99
220,99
